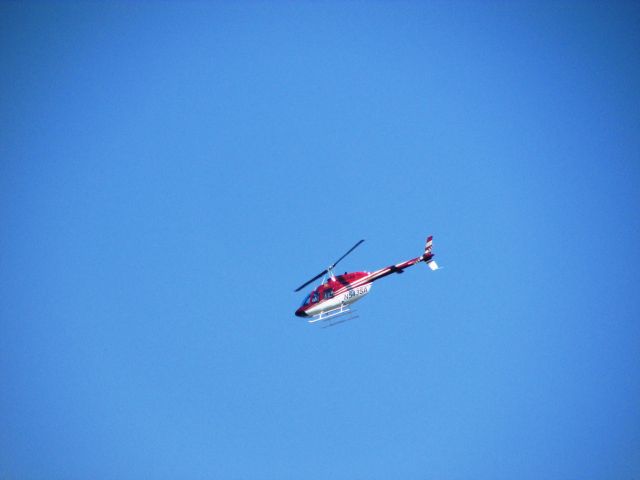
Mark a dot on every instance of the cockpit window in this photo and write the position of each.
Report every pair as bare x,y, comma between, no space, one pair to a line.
306,300
328,293
314,297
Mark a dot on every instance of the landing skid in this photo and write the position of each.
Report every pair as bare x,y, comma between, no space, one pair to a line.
332,316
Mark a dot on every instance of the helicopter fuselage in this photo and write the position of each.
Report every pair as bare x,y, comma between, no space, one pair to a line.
339,290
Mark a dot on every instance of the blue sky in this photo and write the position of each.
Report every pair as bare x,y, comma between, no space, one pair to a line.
170,172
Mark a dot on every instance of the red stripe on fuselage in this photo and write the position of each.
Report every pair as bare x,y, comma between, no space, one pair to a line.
378,274
363,280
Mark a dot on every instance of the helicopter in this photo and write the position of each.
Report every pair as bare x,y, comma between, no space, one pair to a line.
332,298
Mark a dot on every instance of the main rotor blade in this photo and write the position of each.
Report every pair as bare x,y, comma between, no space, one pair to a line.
327,270
310,281
350,250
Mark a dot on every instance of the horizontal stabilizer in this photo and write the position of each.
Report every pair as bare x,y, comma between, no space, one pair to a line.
433,265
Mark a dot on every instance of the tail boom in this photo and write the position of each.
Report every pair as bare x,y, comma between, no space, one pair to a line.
427,257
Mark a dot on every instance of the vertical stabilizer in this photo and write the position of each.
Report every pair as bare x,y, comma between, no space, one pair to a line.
428,254
428,247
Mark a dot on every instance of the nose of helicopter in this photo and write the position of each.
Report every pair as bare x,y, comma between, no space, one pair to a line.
300,313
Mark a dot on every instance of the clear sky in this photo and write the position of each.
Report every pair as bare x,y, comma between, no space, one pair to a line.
170,172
